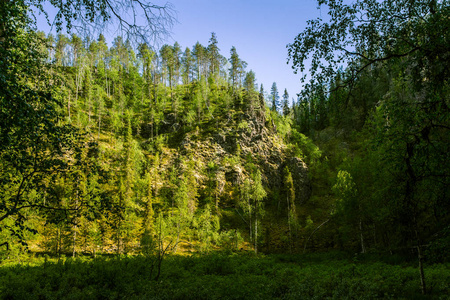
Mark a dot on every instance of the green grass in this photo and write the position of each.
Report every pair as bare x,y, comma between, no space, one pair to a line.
221,276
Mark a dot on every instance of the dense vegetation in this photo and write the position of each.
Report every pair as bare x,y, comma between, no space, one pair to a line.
139,151
222,276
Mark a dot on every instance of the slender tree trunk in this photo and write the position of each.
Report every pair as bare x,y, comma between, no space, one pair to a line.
420,258
89,111
119,237
74,253
314,231
375,235
152,122
178,237
106,81
250,222
68,106
363,247
409,196
422,274
77,87
217,197
256,234
289,224
59,240
99,124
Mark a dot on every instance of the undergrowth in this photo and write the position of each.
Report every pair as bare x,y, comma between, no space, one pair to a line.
220,276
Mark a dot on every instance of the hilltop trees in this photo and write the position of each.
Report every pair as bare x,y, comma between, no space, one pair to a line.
285,103
274,97
214,56
237,68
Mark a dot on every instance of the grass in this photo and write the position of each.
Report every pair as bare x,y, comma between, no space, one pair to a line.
221,276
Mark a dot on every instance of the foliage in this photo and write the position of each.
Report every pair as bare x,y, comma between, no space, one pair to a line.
217,276
364,33
35,148
181,154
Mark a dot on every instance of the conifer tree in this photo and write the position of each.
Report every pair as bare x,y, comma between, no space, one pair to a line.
251,95
249,81
147,56
200,55
61,50
187,66
274,97
290,201
168,62
148,230
262,101
237,68
213,55
285,103
176,49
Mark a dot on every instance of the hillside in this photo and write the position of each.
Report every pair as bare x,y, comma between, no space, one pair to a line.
171,150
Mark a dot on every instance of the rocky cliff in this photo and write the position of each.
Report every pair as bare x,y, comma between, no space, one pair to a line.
232,143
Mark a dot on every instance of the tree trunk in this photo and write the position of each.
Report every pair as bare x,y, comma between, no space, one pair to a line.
422,274
363,247
99,124
74,241
68,106
314,231
289,224
256,234
178,238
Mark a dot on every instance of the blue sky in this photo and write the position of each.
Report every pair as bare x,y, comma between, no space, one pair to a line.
259,29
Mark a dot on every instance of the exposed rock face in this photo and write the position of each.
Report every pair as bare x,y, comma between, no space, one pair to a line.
299,172
250,141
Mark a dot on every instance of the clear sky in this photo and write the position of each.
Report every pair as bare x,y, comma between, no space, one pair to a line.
259,29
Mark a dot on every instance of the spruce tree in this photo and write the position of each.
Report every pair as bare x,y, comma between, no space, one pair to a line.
236,69
285,103
274,97
213,55
187,62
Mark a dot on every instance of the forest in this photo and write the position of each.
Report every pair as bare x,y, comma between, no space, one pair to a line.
130,171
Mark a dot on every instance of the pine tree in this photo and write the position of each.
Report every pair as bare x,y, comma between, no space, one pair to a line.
187,66
176,49
285,103
262,101
249,82
200,55
274,97
213,55
168,62
61,51
237,68
148,230
147,57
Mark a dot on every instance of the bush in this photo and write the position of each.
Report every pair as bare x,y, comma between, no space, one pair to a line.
220,276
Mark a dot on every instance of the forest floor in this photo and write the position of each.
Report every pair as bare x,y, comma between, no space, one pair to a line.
221,276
